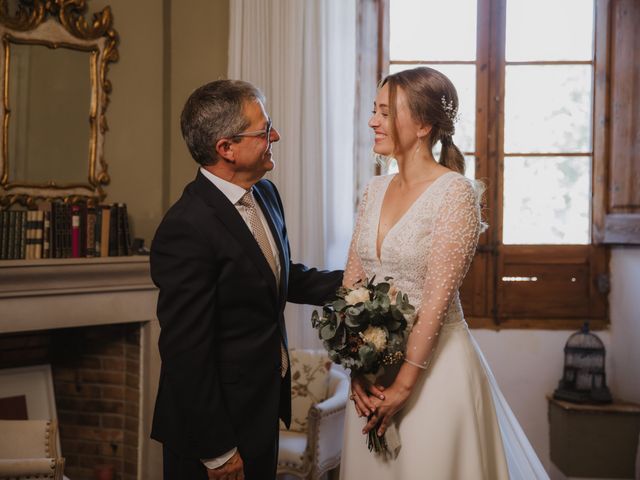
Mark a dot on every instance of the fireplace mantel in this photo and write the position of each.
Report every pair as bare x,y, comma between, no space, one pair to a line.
60,293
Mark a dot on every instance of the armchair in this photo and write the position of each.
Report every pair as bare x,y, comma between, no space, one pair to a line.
312,448
28,450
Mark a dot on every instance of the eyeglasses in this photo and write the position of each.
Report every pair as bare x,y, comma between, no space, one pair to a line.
264,133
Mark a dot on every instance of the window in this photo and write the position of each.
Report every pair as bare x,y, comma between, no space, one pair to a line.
525,74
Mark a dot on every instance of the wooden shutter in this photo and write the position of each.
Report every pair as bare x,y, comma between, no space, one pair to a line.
617,220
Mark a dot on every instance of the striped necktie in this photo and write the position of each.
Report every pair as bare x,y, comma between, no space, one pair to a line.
259,233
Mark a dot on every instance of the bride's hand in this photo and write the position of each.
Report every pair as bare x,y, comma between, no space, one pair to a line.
361,391
395,398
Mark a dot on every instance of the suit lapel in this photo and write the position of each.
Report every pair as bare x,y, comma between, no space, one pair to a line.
233,221
272,217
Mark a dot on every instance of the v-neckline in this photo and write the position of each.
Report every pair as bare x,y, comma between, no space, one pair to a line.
401,218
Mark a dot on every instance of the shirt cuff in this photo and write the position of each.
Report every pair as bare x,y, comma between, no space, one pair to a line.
212,463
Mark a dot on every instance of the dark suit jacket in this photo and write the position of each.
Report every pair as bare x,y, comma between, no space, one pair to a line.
221,318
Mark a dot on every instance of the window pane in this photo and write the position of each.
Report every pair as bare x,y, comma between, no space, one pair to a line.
546,200
432,30
549,30
548,108
464,79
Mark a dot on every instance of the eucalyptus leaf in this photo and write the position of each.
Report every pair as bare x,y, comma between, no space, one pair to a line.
327,332
339,304
385,303
383,288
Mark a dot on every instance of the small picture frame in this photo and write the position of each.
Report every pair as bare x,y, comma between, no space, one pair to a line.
30,389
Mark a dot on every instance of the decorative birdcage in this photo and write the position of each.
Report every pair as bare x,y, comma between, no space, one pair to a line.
584,379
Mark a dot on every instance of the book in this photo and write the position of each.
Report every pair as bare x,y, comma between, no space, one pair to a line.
67,230
46,231
4,238
104,233
54,237
33,235
90,230
21,234
98,231
113,231
11,238
62,230
122,230
75,231
39,232
30,233
83,229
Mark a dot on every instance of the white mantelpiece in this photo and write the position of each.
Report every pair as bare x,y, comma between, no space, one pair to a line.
60,293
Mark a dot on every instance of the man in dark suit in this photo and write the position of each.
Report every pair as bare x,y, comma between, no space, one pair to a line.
222,263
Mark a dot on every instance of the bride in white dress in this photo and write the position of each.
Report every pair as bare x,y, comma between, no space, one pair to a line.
421,227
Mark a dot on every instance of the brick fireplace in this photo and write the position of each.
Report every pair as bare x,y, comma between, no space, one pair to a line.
93,322
96,379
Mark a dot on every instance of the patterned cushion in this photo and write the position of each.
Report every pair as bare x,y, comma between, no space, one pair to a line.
309,384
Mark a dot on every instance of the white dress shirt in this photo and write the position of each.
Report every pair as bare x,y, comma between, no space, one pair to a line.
234,193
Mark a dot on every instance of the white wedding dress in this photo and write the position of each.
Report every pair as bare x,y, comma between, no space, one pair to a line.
456,424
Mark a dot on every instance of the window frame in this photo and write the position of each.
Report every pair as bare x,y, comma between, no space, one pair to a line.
488,301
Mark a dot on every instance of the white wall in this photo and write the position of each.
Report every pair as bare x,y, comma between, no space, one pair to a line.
528,363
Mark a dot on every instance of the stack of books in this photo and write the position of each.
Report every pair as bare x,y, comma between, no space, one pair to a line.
62,230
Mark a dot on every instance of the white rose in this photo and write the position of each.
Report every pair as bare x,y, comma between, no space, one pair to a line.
376,336
357,296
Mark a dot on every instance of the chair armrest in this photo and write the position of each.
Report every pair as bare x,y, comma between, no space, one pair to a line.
23,467
326,424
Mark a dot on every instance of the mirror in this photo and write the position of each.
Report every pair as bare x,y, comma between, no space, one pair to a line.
55,94
49,100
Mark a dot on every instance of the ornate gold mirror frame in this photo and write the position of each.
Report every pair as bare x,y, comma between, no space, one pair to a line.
59,24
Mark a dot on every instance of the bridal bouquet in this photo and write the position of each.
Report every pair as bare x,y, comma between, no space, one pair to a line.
364,330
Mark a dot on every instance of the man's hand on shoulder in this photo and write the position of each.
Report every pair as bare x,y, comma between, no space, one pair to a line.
232,470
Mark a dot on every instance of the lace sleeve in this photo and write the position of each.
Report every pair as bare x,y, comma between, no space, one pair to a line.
455,236
354,270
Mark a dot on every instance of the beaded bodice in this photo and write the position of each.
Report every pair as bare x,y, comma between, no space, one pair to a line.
427,252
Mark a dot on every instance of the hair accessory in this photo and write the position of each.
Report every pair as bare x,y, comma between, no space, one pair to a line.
449,109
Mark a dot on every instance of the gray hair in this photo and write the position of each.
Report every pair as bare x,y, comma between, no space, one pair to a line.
214,111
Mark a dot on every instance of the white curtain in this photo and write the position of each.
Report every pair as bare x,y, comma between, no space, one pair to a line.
301,54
